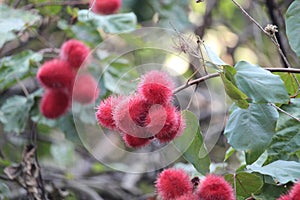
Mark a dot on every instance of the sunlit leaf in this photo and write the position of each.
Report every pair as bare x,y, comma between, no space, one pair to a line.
282,171
13,20
115,23
17,67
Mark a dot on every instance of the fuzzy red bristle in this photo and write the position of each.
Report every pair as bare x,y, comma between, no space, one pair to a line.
295,192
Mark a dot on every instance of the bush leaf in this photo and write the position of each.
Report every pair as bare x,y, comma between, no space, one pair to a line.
191,144
293,26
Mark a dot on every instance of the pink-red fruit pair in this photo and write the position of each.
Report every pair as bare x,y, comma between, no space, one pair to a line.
294,193
175,184
105,7
57,76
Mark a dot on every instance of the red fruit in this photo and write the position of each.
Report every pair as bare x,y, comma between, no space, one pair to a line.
104,112
85,89
56,74
173,183
135,142
156,87
173,127
74,52
105,7
295,191
54,103
214,187
284,197
188,196
130,116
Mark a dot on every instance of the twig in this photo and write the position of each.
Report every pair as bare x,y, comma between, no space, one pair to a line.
54,3
273,37
209,76
283,111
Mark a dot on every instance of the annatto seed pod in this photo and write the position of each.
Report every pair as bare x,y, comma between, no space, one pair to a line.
215,187
105,109
74,52
105,7
156,87
173,183
56,74
54,103
295,191
85,89
135,142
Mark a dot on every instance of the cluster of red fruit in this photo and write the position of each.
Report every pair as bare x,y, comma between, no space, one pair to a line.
294,193
175,184
145,115
105,7
58,75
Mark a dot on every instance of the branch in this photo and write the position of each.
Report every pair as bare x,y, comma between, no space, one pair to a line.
55,3
271,36
209,76
283,111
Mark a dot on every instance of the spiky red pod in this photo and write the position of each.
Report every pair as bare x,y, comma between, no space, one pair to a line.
135,142
104,113
214,187
54,103
85,89
156,87
74,52
130,116
284,197
295,192
105,7
188,196
173,183
56,74
173,127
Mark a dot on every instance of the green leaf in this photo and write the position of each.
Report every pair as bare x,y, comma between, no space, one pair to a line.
286,142
17,67
252,128
229,153
271,192
290,82
246,183
116,23
67,125
214,58
191,144
234,93
15,113
260,85
281,171
118,77
293,26
12,20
